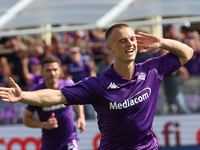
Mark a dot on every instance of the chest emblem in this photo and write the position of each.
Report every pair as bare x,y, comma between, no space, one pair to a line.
142,76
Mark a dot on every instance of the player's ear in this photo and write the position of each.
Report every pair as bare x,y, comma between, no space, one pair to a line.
110,48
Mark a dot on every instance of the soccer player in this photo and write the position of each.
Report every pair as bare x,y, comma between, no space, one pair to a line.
56,122
125,95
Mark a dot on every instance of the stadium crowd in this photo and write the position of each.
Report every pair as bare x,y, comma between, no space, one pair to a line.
20,58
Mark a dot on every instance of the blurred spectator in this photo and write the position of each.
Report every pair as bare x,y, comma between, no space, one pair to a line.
198,27
15,47
97,37
80,41
194,63
16,51
5,71
173,84
141,57
39,40
5,43
80,69
68,36
105,63
8,113
48,52
61,52
170,33
34,76
17,69
37,52
185,34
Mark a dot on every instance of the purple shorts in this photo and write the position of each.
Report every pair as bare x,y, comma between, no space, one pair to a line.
71,145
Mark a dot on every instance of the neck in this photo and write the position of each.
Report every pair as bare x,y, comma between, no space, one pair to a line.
125,70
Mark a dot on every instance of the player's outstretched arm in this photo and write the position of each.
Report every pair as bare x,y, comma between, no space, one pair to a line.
152,42
45,97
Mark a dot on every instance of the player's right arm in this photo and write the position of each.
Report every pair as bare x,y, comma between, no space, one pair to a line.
45,97
28,121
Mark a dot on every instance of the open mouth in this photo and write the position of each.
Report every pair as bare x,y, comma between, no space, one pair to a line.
129,51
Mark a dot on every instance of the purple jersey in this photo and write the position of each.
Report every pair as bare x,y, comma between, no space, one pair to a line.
79,70
66,131
36,79
125,108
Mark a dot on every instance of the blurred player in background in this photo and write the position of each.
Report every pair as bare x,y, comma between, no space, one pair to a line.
56,122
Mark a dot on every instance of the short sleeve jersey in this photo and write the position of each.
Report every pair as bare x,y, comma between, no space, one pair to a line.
125,108
64,114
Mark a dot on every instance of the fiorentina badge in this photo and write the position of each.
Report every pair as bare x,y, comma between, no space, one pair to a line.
142,76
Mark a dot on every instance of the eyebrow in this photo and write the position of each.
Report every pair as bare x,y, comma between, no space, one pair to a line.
126,38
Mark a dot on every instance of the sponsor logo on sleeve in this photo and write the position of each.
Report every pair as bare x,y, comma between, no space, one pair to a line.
51,108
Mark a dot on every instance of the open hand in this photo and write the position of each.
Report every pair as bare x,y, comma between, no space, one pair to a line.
12,94
148,41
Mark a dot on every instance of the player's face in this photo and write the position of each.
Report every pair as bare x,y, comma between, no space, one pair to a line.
75,56
122,44
51,72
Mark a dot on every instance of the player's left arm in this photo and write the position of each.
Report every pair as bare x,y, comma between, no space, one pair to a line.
183,51
152,42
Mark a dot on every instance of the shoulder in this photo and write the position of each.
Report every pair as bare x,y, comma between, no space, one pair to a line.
89,80
158,60
95,82
66,82
163,65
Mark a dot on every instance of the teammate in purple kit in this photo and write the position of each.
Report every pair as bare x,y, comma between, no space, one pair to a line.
125,95
56,122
